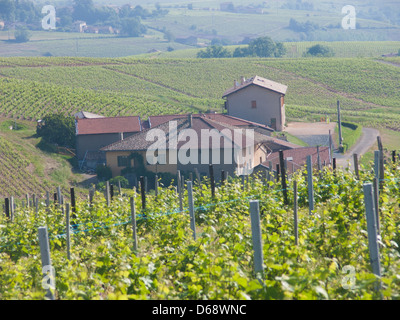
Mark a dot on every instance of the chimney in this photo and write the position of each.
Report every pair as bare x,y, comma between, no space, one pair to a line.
121,136
190,120
242,80
234,84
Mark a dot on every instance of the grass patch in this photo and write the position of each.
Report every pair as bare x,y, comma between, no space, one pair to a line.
351,132
291,138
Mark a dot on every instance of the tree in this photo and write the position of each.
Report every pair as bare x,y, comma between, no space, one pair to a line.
319,51
57,128
169,36
241,52
214,52
7,9
266,47
22,34
84,10
132,27
280,50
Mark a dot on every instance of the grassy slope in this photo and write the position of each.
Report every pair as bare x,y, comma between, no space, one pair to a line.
25,168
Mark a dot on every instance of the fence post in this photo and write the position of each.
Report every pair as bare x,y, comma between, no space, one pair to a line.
376,164
47,269
59,195
180,187
47,201
178,181
334,167
212,181
73,200
36,207
318,160
111,192
156,185
68,231
108,193
340,127
91,196
143,192
191,209
12,208
355,159
7,207
310,184
376,202
372,232
296,230
277,172
256,235
133,215
283,178
381,165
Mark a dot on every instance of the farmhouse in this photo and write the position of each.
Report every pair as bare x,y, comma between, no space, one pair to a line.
79,26
259,100
93,133
197,153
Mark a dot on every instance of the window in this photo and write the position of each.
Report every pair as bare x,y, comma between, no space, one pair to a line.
123,161
159,157
253,104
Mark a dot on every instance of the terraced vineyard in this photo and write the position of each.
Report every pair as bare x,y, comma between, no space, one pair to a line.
367,88
16,178
24,167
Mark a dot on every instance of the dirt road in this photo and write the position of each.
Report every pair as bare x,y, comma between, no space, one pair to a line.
317,133
366,141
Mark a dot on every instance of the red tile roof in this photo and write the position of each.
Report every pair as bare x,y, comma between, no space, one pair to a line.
140,140
154,121
299,157
261,82
108,125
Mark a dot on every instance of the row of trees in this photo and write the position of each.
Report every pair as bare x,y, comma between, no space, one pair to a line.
260,47
20,11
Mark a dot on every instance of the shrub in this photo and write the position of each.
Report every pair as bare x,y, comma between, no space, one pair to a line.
319,51
103,172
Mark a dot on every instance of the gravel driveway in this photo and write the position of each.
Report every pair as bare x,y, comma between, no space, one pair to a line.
317,133
314,134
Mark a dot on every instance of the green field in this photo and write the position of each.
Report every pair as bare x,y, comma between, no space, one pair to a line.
367,88
329,259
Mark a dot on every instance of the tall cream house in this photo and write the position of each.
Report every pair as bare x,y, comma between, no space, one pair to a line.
259,100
